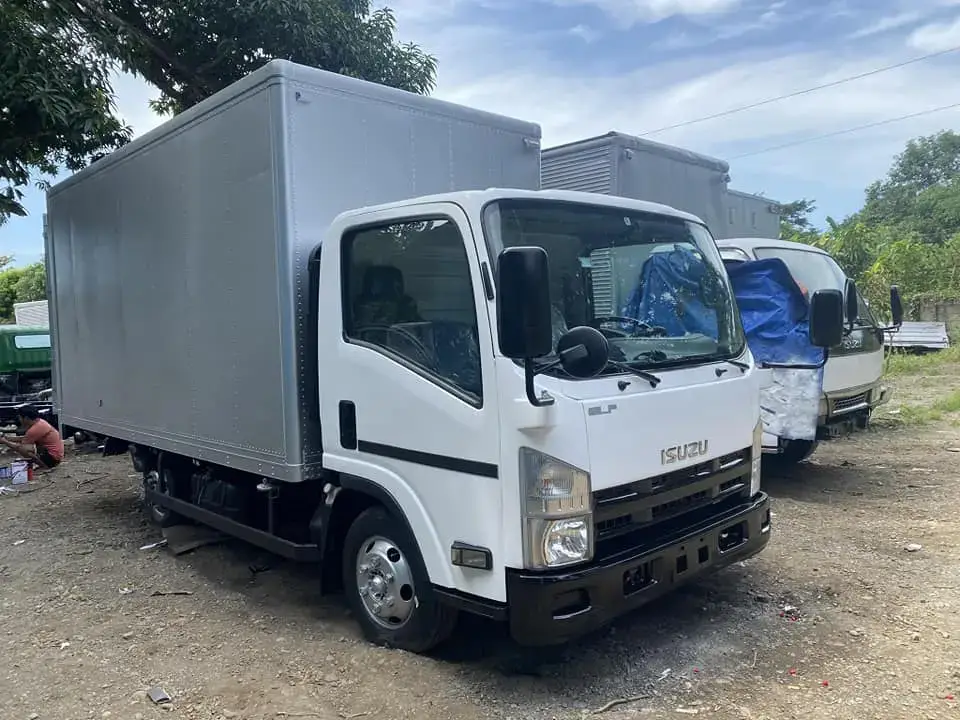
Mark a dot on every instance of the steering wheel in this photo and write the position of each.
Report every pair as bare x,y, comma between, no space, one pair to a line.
426,357
649,330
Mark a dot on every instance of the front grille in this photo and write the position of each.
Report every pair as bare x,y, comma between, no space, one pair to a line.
843,404
647,503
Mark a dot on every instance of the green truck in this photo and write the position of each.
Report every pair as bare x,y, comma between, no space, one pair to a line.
25,371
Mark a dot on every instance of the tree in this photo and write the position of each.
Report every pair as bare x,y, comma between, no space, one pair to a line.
18,285
190,49
921,191
795,221
56,56
55,100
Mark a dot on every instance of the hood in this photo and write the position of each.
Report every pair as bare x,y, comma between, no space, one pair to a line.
691,417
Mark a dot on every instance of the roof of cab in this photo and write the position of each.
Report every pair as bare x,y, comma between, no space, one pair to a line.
479,198
751,244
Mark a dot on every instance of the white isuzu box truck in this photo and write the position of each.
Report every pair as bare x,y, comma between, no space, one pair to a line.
300,341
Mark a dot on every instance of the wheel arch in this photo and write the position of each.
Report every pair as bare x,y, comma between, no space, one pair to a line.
331,521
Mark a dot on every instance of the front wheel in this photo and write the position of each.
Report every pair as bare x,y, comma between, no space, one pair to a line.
387,586
794,452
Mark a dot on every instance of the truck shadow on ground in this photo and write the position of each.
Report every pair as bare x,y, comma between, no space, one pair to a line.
823,482
712,617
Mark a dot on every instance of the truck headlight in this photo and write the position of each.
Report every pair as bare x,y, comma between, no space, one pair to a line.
756,457
558,512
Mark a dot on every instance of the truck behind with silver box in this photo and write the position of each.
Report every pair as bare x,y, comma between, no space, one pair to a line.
302,345
635,167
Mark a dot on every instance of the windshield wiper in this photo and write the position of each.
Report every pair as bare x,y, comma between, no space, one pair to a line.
621,366
626,367
737,364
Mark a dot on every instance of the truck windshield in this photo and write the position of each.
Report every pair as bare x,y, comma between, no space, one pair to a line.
652,284
814,271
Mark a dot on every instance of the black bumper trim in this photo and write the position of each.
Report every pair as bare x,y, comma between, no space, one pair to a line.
554,608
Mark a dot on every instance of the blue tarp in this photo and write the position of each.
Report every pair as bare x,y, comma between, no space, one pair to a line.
669,294
774,312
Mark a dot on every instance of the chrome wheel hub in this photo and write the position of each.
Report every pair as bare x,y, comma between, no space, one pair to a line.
385,583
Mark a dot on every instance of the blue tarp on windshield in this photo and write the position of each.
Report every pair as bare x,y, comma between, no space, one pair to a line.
774,312
669,294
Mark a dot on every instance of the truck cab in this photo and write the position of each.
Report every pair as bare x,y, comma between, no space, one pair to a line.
25,371
625,450
853,384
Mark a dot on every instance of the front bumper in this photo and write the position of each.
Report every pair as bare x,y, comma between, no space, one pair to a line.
553,608
851,412
9,408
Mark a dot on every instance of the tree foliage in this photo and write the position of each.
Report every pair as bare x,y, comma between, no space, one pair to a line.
24,284
190,49
56,57
921,192
55,100
795,223
908,232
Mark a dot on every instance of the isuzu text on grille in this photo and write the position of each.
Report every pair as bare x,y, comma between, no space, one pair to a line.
670,455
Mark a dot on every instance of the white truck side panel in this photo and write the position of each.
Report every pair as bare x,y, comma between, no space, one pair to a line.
179,263
31,314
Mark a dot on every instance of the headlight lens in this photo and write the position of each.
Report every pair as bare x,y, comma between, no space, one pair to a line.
558,512
756,456
566,541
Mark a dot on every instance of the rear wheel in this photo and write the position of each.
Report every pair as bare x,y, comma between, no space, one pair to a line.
387,585
161,481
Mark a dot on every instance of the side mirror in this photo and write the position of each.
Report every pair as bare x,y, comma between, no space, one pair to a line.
826,318
523,303
852,306
896,306
583,352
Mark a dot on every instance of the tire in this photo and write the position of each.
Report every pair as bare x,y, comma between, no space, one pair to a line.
163,481
382,568
795,452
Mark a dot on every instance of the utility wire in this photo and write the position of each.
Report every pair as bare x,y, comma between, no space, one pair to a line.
778,98
847,131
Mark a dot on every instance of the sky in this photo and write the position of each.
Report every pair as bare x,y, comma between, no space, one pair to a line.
584,67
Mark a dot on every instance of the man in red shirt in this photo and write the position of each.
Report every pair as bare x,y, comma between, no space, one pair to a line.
41,443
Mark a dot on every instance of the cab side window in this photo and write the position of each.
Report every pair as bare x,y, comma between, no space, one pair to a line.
408,294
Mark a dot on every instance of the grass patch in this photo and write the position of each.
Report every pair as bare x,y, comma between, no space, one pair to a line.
930,363
922,414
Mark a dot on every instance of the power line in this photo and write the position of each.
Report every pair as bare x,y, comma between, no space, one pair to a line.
858,128
778,98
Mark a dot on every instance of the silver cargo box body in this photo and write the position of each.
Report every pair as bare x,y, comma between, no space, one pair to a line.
750,216
632,167
637,168
179,265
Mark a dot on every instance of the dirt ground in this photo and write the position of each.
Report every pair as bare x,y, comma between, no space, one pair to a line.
836,619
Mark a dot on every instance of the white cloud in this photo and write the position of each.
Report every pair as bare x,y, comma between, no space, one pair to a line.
936,37
886,24
573,103
585,33
630,12
516,73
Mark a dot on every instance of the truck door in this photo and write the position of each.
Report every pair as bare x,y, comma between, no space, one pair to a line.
407,387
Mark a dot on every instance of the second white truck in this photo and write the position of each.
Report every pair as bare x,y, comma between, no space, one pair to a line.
852,384
298,310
